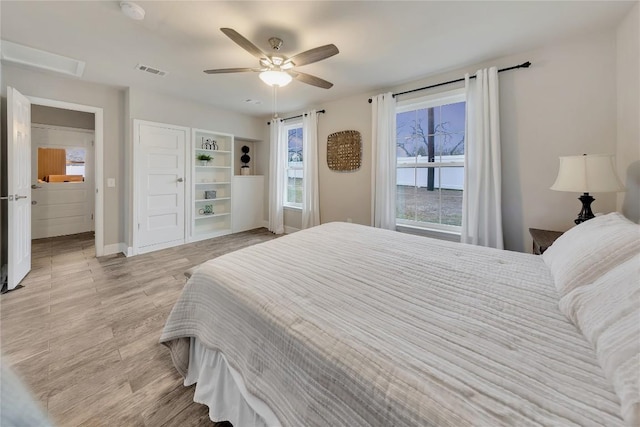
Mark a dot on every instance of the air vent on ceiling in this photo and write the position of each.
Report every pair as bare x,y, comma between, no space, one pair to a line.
151,70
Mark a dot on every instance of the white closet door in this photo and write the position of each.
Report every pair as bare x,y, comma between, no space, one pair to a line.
160,168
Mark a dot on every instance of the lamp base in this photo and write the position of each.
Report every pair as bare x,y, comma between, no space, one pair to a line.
586,213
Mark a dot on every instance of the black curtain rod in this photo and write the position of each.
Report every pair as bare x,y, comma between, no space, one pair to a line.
524,65
297,117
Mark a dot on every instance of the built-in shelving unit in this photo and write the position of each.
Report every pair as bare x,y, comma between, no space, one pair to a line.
211,215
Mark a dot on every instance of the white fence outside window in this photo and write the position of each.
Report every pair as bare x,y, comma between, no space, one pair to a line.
412,171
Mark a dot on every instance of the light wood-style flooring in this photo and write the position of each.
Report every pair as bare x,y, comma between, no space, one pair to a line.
83,332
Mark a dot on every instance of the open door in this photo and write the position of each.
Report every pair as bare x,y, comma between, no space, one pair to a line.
18,186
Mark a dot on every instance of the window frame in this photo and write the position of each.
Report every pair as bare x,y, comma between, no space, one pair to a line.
294,124
430,101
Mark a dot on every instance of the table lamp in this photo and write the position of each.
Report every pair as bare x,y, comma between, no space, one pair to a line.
589,173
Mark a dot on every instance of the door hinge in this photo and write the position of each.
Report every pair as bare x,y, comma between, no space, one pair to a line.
92,217
138,226
92,143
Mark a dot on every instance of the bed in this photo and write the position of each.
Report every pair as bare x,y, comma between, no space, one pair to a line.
344,324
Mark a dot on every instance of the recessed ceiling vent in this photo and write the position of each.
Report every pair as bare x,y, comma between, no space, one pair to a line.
151,70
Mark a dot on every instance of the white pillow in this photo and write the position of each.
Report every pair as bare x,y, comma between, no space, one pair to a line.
607,312
590,249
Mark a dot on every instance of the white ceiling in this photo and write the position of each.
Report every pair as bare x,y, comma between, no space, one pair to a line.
381,43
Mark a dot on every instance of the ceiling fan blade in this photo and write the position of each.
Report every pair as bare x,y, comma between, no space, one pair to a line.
311,80
244,43
231,70
313,55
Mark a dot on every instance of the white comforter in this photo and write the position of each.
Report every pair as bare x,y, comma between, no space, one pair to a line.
346,325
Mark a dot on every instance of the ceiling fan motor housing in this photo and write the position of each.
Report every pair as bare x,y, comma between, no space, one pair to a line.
275,43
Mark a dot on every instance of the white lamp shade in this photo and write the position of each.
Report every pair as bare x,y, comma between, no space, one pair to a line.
275,78
589,173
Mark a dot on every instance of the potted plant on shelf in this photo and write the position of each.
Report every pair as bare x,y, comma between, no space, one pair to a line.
245,159
204,159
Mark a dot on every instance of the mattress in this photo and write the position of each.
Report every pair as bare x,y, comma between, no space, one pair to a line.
344,324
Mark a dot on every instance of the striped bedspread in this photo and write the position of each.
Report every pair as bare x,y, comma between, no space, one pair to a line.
346,325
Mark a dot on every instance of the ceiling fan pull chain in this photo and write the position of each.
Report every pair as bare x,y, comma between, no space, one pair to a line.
275,101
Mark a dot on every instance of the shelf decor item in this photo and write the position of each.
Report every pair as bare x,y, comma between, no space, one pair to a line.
206,210
245,159
204,159
344,151
210,194
209,144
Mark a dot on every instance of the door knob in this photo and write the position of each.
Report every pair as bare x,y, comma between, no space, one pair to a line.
34,202
180,179
34,186
20,197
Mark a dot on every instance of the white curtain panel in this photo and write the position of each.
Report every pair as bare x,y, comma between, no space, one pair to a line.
310,196
384,161
277,159
481,199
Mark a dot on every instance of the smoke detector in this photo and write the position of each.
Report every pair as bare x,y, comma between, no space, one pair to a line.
132,10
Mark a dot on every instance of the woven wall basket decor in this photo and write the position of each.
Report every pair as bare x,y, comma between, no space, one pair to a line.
344,151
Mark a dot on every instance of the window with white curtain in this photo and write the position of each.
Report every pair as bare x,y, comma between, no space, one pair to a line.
293,167
430,161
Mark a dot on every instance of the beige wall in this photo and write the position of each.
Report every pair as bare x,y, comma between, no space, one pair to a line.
111,100
564,104
145,105
628,112
61,117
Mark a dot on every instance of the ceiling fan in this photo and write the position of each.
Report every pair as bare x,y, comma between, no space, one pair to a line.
278,70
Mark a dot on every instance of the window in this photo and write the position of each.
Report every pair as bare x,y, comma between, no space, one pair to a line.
430,161
293,168
61,164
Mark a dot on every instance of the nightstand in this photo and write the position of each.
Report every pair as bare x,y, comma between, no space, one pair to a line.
542,239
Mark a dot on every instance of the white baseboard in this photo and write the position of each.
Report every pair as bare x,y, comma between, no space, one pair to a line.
115,248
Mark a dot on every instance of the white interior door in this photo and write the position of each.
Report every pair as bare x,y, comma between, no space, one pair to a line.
160,168
19,186
61,207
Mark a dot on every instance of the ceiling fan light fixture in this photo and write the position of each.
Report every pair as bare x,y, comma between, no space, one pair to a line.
275,78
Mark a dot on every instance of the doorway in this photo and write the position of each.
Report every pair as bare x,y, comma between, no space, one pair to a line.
62,163
96,187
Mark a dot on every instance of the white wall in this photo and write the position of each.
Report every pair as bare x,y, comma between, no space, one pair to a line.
111,100
563,104
628,112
